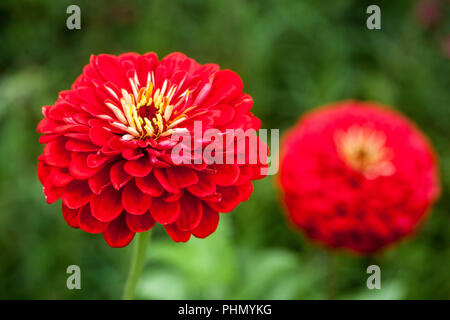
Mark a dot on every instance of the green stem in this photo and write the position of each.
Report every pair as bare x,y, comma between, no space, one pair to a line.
330,280
137,264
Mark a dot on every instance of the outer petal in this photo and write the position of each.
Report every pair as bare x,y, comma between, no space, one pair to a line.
160,175
229,200
78,166
191,213
118,175
76,194
139,167
245,190
52,193
43,171
204,187
150,185
107,205
181,177
88,223
140,223
227,85
59,177
134,200
176,234
100,180
70,215
208,224
80,146
226,175
55,153
164,212
100,136
221,114
109,68
118,234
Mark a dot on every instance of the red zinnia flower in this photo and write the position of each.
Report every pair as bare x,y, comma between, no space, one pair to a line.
108,147
357,176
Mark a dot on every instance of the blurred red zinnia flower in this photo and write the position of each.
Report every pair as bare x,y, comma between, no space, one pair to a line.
357,176
108,147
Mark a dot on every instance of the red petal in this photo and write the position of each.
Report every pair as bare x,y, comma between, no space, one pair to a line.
76,194
91,102
171,197
132,154
190,212
107,205
48,137
176,234
204,187
100,136
110,70
100,180
59,177
208,224
78,167
175,60
221,114
206,70
117,143
245,190
78,136
52,193
229,200
181,177
97,160
226,175
43,171
82,118
150,185
118,234
134,201
164,212
118,175
227,85
245,103
55,153
80,146
245,174
61,110
140,223
70,215
160,175
88,223
47,125
139,167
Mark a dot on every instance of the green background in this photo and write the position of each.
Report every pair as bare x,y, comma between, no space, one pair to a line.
292,56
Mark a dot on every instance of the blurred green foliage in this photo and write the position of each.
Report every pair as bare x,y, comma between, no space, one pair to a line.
293,56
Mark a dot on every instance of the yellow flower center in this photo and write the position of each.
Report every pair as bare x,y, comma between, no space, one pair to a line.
146,112
363,149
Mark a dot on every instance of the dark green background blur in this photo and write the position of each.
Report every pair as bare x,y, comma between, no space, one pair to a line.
292,56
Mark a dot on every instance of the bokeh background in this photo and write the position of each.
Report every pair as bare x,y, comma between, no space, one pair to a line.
293,56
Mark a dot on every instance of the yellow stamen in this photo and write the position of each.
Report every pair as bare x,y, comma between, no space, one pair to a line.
131,120
159,122
168,112
364,150
133,87
116,112
177,122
